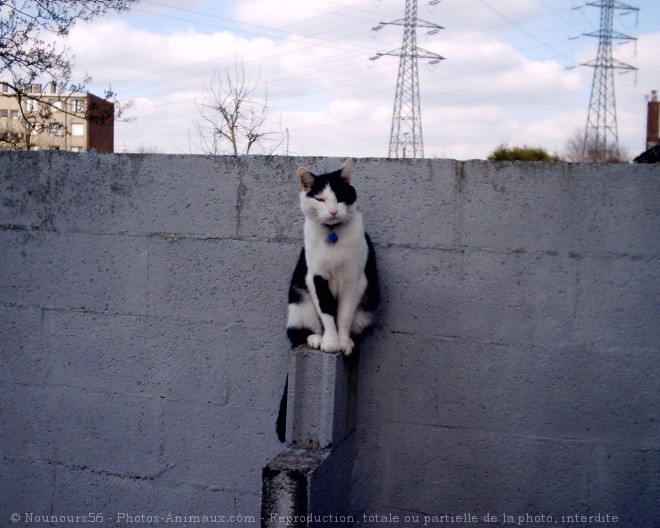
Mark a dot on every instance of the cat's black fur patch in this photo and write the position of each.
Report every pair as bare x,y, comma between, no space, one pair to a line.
298,284
327,301
298,336
344,191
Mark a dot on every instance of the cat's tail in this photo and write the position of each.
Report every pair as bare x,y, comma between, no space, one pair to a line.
280,425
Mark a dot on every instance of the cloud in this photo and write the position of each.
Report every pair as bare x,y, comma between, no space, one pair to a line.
504,79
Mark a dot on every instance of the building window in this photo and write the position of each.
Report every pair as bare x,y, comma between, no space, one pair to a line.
4,113
54,129
30,105
77,129
76,149
78,106
13,114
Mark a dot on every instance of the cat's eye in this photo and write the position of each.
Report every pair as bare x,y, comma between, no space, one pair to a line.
322,200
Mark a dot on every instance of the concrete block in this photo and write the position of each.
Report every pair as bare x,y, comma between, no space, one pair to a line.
27,487
129,501
74,270
332,485
411,203
614,208
249,504
374,396
559,208
481,295
619,301
462,470
626,483
21,345
272,181
256,361
305,488
24,187
154,357
514,206
220,280
286,487
71,426
309,483
218,446
368,483
562,392
321,398
145,194
25,429
105,432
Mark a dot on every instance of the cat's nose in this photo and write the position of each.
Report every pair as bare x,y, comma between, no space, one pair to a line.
333,213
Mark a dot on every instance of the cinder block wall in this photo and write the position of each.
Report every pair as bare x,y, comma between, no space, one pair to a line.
143,298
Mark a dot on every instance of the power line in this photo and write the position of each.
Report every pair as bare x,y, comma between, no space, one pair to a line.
528,33
286,35
320,71
267,58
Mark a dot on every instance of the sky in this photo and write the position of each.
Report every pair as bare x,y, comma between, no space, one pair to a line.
511,73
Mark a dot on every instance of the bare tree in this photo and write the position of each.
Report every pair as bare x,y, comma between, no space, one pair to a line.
26,59
577,151
233,116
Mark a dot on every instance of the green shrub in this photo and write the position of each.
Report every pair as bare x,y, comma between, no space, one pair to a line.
506,153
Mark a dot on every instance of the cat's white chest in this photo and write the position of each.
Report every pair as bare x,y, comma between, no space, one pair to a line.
341,260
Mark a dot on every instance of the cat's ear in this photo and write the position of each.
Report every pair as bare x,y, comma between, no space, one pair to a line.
347,170
305,178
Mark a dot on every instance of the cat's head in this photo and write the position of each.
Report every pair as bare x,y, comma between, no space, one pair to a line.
328,198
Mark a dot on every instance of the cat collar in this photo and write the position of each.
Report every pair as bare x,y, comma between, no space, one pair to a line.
331,238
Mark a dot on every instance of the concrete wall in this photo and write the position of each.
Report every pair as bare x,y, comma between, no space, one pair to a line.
143,299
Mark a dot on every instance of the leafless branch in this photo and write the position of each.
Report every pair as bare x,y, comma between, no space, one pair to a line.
232,116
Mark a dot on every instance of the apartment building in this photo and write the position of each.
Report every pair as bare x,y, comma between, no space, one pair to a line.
46,120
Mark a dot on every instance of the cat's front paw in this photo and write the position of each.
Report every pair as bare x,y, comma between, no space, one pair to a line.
314,340
330,344
346,346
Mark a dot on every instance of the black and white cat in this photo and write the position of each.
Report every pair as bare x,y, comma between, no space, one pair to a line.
334,292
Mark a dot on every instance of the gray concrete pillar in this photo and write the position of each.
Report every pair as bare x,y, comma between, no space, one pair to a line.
307,485
321,399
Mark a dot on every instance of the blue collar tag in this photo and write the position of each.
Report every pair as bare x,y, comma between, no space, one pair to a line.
332,238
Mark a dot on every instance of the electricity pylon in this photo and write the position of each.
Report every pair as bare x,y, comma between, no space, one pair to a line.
406,134
601,136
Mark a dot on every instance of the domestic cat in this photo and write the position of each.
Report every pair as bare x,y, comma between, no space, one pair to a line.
334,292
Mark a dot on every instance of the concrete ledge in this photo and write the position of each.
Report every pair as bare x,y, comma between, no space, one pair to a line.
286,485
304,488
